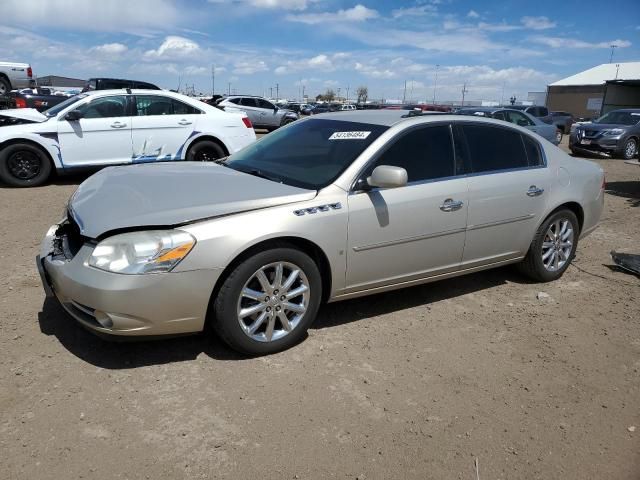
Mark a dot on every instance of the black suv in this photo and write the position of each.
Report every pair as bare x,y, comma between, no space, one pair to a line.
116,83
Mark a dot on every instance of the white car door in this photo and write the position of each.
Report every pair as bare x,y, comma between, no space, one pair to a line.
101,137
161,127
411,232
508,185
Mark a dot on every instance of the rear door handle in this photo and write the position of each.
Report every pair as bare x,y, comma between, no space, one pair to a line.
451,205
118,125
184,122
535,191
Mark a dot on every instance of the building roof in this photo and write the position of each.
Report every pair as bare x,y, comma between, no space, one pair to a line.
601,74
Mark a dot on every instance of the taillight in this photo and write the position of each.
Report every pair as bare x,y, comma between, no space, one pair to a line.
29,72
21,103
247,122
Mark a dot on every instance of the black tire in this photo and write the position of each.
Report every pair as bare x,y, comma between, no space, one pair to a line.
226,322
5,86
532,266
24,165
205,151
287,121
629,149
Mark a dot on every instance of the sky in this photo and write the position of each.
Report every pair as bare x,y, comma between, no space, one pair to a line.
493,49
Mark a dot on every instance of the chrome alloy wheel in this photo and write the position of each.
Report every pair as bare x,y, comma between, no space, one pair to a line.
557,245
630,149
273,301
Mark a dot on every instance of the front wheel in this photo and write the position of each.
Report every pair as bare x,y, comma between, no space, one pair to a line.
205,151
268,302
553,247
630,149
24,165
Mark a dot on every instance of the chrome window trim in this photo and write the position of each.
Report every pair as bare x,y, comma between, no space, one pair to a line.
451,124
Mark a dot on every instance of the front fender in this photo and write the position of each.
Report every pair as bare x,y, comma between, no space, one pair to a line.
48,141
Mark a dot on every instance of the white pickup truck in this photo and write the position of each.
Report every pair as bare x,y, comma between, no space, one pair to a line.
14,76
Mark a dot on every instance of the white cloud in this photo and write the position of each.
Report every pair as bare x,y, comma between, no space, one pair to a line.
498,27
359,13
139,16
561,42
322,62
537,23
110,49
374,71
174,47
271,4
419,11
331,83
473,14
249,67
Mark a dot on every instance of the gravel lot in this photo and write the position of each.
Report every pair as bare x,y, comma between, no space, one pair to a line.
417,383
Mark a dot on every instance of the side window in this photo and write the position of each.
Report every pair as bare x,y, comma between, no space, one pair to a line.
152,105
248,102
235,100
425,153
534,156
264,104
105,107
518,118
180,108
499,116
112,85
493,148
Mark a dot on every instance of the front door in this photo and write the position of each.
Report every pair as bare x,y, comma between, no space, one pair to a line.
508,189
414,231
268,113
101,137
161,128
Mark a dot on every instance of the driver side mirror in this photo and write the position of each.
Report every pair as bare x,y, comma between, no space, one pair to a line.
386,176
73,116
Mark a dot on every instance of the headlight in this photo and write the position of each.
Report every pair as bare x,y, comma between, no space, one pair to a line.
153,251
614,131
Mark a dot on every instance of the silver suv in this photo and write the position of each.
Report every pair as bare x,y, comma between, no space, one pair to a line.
261,112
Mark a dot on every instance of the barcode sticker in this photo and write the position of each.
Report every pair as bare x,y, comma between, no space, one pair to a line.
349,135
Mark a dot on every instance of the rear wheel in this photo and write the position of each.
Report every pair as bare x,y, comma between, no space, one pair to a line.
268,302
205,151
553,247
24,165
5,87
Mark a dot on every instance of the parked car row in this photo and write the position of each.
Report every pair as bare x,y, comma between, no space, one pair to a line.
261,112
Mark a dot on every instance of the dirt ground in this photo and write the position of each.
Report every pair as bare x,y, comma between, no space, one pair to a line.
413,384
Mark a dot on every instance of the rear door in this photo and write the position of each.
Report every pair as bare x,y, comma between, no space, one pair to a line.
508,184
102,136
268,113
250,106
161,127
415,231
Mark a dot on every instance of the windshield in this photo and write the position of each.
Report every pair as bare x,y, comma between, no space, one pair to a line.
620,118
308,154
53,111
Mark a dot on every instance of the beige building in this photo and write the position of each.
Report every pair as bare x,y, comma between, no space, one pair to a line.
598,90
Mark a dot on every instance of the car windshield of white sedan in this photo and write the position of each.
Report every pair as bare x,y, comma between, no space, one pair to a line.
620,118
308,154
53,111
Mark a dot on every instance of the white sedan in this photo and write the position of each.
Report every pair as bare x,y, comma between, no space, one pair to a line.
115,127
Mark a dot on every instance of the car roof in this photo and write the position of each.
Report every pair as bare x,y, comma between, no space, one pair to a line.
381,117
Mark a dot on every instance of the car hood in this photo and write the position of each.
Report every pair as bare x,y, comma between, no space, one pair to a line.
170,194
30,114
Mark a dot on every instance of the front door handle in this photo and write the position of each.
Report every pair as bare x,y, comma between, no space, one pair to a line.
118,125
184,122
451,205
535,191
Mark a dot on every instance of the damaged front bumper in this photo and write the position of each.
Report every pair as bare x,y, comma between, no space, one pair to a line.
117,304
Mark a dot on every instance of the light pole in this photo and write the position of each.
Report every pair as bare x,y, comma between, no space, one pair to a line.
464,92
611,56
435,84
213,80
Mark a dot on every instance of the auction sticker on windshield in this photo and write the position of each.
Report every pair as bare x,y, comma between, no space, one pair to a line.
349,135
